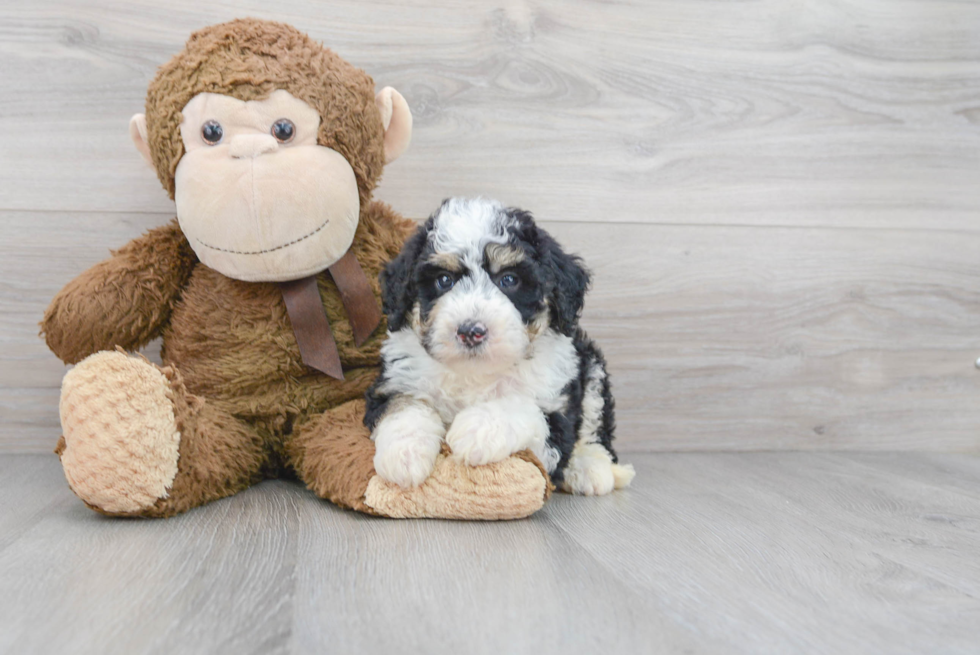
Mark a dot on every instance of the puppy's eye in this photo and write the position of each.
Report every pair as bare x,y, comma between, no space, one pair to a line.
284,130
508,281
211,132
445,282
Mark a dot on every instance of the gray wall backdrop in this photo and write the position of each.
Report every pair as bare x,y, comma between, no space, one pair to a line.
779,198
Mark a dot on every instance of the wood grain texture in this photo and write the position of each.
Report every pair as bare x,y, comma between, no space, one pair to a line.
754,549
779,198
767,112
728,338
706,553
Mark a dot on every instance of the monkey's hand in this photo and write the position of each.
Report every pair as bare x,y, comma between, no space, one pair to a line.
123,301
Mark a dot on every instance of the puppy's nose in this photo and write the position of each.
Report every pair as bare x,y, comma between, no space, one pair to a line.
471,334
246,146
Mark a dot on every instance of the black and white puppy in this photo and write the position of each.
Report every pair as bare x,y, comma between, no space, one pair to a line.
484,351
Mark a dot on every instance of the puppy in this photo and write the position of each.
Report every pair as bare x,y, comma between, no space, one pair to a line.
485,353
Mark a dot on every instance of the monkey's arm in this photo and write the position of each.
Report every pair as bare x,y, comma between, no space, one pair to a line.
386,229
123,301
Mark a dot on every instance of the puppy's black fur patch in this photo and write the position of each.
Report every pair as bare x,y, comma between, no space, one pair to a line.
398,284
567,278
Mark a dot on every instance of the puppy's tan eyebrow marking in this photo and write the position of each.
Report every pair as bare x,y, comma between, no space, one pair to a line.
501,256
446,260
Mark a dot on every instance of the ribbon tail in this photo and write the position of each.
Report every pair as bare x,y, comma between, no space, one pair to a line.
359,301
317,346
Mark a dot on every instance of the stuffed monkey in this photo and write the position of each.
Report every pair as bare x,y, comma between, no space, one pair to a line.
264,290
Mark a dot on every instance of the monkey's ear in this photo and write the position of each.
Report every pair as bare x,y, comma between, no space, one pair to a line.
396,118
137,132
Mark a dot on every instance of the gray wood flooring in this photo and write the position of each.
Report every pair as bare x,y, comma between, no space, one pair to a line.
831,553
779,197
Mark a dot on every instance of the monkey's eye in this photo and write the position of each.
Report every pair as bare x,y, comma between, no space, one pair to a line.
211,132
508,281
445,282
284,130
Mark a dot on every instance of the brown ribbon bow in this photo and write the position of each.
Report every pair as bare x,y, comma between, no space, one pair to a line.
310,325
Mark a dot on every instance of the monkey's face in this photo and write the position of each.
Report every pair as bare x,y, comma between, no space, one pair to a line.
257,197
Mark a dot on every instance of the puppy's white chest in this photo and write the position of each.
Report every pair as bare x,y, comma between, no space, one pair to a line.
455,393
540,378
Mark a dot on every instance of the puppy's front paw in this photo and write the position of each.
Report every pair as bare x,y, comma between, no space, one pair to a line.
479,436
406,446
405,462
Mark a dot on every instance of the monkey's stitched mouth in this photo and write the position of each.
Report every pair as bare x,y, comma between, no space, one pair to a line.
260,252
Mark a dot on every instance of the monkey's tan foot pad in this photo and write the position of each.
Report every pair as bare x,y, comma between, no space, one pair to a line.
511,489
120,437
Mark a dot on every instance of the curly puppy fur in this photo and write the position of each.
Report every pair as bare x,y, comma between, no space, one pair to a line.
485,353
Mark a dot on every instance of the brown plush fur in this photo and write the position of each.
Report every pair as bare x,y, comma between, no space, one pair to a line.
239,384
249,59
245,405
124,301
334,452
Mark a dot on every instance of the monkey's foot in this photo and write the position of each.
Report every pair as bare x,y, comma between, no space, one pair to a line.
121,440
512,488
334,456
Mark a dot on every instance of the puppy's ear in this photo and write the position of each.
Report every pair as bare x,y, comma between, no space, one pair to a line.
571,280
398,280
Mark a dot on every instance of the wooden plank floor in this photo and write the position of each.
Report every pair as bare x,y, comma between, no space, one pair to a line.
707,553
